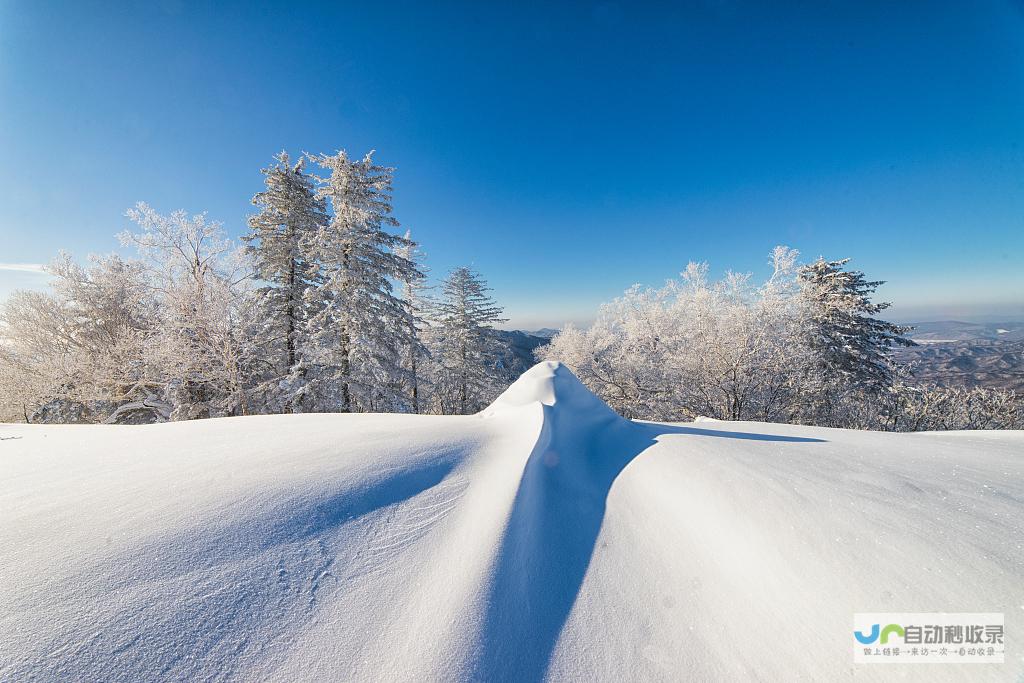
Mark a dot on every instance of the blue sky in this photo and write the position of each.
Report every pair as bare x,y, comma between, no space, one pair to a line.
565,150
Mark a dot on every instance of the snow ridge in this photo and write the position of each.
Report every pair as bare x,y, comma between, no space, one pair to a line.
555,519
552,384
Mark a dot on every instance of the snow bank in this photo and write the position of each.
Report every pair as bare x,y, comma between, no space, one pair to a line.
544,538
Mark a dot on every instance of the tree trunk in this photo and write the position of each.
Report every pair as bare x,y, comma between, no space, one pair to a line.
415,385
346,394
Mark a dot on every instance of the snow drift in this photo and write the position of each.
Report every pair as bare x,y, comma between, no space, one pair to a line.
543,538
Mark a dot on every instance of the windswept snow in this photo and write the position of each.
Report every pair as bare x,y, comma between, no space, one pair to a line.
545,537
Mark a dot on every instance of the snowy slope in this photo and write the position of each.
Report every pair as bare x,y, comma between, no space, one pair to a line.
544,537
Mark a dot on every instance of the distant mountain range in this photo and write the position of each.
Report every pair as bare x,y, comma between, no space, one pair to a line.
954,330
520,346
955,353
544,332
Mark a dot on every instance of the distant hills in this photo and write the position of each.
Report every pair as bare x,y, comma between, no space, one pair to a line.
955,353
519,348
544,332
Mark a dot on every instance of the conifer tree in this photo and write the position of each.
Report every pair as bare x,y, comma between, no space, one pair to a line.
850,343
413,293
359,326
279,242
466,315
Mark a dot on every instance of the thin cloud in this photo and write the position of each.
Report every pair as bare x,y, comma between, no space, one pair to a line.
25,267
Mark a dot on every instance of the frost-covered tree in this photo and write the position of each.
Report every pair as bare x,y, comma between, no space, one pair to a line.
414,289
734,349
78,352
279,243
621,356
464,346
804,346
20,388
357,325
693,347
199,280
852,347
909,407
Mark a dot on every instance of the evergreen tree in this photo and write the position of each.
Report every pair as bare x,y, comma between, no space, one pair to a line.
466,315
413,288
290,214
849,342
359,326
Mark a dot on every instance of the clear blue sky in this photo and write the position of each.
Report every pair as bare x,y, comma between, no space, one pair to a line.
566,150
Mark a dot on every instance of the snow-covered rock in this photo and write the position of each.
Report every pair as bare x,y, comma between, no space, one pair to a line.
544,537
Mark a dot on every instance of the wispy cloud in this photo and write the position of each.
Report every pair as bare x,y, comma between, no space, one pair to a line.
24,267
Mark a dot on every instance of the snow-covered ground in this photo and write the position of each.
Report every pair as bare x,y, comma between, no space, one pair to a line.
544,537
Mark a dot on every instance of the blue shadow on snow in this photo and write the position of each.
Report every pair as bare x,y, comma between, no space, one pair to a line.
550,538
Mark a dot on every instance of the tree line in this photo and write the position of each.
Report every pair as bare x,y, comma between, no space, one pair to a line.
805,346
324,307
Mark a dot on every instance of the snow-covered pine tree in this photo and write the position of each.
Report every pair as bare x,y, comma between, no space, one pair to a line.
358,325
290,214
413,293
851,345
465,343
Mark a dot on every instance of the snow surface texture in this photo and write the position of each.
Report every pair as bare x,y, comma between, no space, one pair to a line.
544,538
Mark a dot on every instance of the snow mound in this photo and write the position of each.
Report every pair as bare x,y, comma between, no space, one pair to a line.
545,539
551,384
